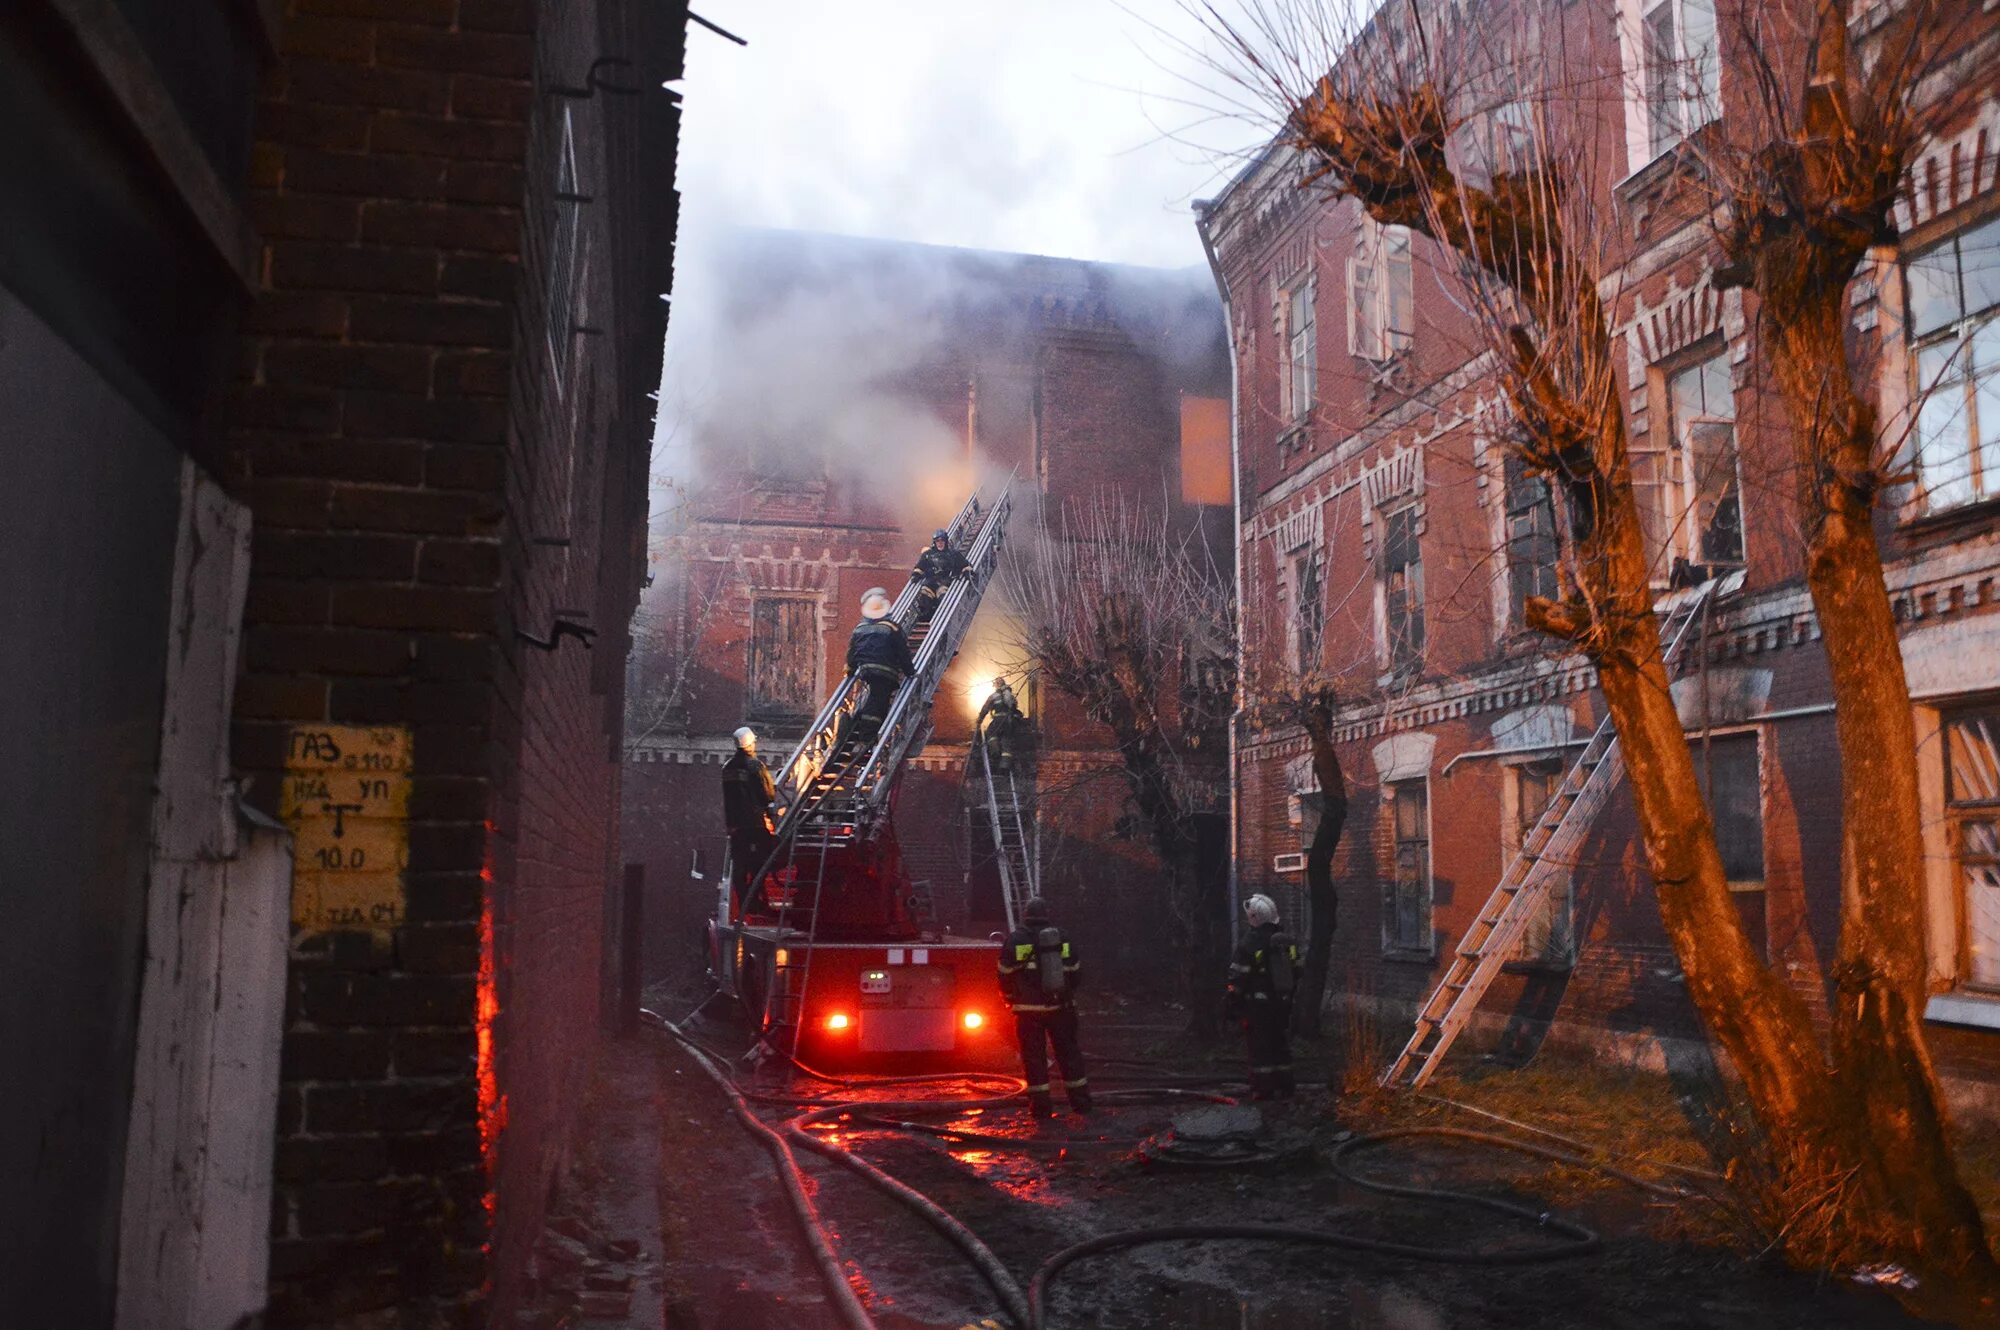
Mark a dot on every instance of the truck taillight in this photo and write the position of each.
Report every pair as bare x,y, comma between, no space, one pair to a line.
972,1020
837,1021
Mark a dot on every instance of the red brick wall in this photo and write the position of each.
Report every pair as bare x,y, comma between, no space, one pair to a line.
395,428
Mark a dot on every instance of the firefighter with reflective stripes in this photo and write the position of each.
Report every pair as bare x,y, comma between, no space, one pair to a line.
1039,972
1263,974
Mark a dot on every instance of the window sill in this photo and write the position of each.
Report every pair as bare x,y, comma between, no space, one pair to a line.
1945,520
1426,956
1981,1010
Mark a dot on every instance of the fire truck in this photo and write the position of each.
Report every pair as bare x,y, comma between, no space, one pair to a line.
825,944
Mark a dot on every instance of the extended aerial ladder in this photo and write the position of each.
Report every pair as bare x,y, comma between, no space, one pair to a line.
1547,851
1016,836
836,789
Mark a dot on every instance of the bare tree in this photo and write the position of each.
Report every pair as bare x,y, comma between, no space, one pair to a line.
1381,114
1108,601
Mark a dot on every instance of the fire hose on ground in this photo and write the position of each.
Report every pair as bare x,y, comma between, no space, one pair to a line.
1027,1308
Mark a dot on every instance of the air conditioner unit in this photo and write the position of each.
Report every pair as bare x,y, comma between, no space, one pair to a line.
1288,863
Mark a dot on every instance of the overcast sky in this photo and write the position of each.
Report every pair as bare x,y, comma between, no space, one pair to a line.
1044,126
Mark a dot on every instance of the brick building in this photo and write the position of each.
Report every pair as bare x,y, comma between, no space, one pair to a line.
326,332
860,390
1388,545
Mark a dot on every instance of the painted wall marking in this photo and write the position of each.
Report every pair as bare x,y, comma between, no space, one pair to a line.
347,801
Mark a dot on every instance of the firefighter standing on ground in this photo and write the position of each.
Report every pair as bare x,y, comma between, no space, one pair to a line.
935,568
879,652
1038,977
1262,977
747,798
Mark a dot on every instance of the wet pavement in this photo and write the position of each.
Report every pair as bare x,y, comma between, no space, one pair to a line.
736,1261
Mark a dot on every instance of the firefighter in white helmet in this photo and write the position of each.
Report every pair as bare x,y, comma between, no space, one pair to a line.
878,652
747,813
1263,974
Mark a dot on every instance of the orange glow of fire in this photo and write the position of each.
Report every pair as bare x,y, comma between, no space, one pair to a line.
492,1104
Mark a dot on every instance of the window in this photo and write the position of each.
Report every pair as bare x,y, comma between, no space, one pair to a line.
1406,912
1681,69
1701,408
1301,351
1548,938
1531,539
1955,324
559,300
784,657
1972,810
1403,589
1309,610
1381,291
1500,142
1726,768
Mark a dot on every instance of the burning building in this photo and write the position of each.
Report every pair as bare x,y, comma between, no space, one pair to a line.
851,393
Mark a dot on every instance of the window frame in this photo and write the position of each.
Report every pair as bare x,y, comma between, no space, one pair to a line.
1687,534
1703,745
1308,584
1544,576
1556,947
1381,292
1421,882
1965,332
1673,106
1301,365
1957,813
759,706
561,281
1402,651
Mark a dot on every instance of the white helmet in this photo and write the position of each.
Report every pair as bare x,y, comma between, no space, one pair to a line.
1260,909
746,738
875,603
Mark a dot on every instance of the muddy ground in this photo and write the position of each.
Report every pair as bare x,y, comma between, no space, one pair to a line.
733,1258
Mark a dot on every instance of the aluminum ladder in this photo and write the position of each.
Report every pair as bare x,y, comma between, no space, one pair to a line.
1547,850
1015,846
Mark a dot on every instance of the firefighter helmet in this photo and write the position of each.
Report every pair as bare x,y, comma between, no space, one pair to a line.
746,738
875,603
1035,912
941,534
1261,909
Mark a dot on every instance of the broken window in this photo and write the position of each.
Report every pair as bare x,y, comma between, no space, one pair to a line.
1381,292
1682,69
784,658
1308,610
1531,539
1726,769
1701,408
1955,322
1302,350
1972,803
1406,913
1403,590
1547,938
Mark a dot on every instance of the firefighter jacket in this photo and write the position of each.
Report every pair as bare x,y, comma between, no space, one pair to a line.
1002,707
1250,970
879,643
1021,975
747,793
935,566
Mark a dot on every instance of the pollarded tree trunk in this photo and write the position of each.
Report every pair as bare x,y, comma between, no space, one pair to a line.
1917,1208
1308,1013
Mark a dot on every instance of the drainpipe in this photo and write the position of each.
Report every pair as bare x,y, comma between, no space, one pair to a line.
1201,207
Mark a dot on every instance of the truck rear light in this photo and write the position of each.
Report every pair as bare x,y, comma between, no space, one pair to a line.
972,1020
837,1021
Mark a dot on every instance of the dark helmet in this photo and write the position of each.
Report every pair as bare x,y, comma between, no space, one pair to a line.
941,534
1036,911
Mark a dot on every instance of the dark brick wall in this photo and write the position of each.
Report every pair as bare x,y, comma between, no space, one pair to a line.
424,494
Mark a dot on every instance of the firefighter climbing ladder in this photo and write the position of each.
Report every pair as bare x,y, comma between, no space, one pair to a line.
1547,850
1015,846
835,785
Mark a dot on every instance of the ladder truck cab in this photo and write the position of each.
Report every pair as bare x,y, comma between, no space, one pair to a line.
826,944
